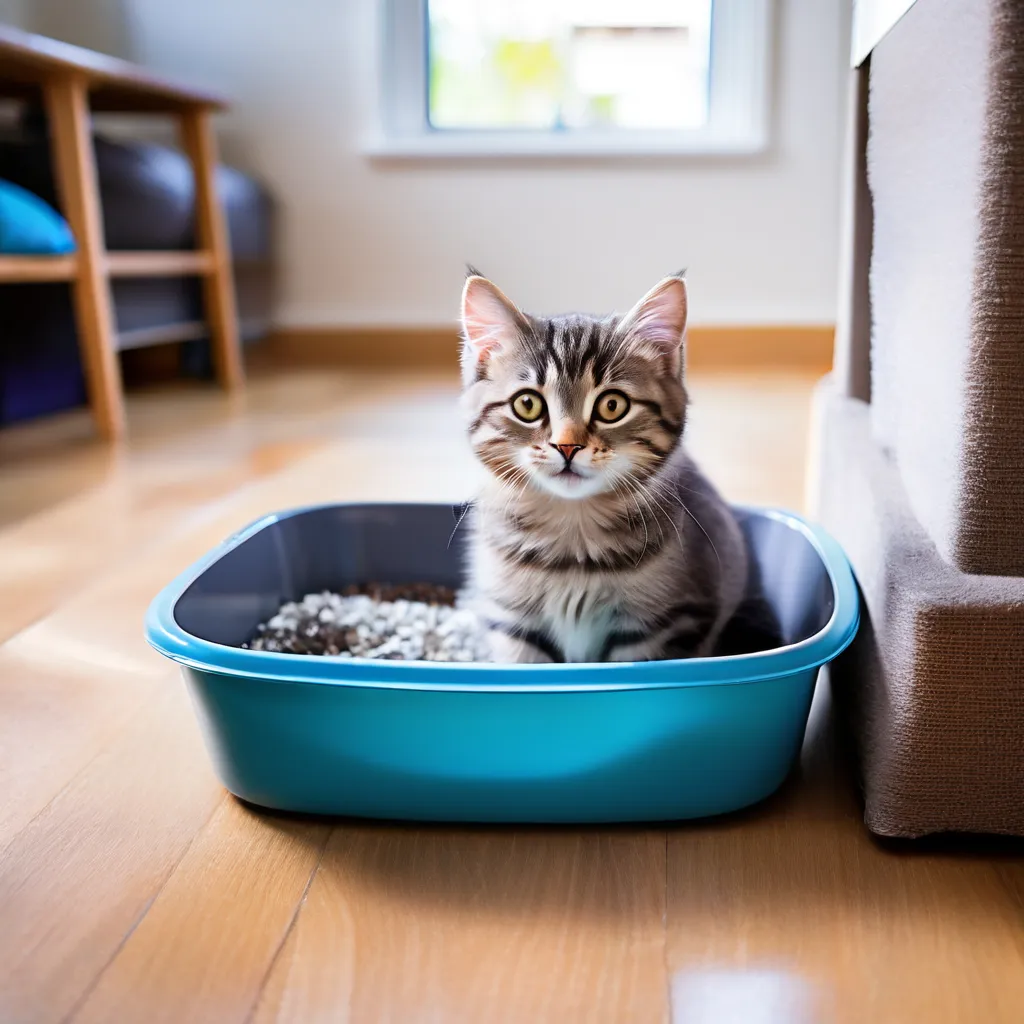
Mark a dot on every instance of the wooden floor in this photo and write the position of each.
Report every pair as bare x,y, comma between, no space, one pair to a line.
133,889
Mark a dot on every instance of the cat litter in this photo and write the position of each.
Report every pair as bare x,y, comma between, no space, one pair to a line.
418,622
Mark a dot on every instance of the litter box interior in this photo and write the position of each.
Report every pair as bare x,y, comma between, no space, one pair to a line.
335,547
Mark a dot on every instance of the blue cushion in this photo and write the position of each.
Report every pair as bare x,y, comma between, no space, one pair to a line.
28,226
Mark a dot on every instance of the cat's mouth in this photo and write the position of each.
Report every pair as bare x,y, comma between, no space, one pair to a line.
569,475
571,483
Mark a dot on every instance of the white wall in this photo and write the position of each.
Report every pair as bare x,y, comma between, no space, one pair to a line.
95,24
371,243
14,12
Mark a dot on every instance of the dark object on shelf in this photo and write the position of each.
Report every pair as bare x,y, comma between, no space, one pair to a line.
148,198
40,368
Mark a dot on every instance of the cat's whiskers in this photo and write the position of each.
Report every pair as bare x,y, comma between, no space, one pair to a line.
510,477
620,492
515,492
653,496
682,504
646,499
514,480
458,523
632,493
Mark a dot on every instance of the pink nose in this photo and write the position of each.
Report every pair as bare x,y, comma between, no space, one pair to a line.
567,451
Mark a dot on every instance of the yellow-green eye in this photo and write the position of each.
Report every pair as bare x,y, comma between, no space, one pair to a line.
528,406
611,407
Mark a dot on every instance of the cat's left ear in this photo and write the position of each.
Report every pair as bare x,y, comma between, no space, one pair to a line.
657,323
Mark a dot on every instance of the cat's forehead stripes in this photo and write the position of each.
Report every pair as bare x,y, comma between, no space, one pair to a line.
572,353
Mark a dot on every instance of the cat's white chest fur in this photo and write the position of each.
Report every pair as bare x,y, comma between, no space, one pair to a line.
579,619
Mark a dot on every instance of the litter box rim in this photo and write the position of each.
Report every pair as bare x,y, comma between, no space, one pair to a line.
163,633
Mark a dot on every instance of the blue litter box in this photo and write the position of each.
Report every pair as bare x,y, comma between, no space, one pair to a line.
649,741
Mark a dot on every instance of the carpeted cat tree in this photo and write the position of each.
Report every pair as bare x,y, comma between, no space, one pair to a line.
920,429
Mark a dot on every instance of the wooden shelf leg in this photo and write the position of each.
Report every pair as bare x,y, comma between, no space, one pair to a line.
212,236
67,106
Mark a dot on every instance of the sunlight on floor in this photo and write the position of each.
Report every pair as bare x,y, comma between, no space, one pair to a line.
748,430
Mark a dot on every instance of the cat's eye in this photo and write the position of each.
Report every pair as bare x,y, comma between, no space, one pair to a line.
528,406
611,407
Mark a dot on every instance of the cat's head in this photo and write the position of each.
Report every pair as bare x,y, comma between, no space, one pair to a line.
573,405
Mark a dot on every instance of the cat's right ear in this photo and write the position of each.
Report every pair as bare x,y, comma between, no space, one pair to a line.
490,322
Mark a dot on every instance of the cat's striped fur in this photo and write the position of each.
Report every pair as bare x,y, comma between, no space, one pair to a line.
591,540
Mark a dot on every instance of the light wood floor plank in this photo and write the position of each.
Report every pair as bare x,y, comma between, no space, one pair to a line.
207,943
81,875
497,925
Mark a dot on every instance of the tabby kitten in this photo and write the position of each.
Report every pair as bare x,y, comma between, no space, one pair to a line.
595,537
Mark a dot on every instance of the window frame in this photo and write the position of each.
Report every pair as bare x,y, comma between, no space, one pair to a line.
739,100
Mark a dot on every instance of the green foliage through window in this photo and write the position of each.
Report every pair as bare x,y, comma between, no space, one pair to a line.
568,64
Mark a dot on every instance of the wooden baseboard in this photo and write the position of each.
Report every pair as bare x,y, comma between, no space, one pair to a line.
798,348
369,348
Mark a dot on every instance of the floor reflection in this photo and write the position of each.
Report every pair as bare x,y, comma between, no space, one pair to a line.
756,995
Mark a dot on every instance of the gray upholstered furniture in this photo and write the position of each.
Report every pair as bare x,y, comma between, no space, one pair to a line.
920,462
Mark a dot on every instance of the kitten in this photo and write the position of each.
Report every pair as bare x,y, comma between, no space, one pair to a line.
595,537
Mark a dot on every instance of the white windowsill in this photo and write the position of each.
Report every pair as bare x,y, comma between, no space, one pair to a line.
501,145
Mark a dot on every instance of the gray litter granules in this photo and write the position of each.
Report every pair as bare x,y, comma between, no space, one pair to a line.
421,622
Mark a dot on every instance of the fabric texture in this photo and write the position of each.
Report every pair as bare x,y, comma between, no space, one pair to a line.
946,170
932,686
990,536
29,226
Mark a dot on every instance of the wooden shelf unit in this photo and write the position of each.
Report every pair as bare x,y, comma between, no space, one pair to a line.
73,82
16,269
160,264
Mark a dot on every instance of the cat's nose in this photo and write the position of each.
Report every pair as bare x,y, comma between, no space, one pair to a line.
567,451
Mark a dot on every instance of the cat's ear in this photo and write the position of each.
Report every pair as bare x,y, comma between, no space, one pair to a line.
657,323
490,322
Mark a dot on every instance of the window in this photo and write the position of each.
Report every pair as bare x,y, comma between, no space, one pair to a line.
550,65
565,77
